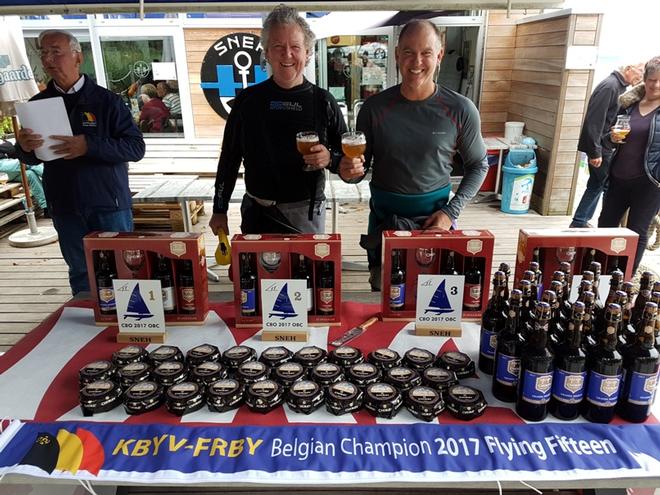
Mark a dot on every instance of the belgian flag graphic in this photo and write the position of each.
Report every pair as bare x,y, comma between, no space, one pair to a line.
73,452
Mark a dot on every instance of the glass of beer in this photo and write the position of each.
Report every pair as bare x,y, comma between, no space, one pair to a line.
621,129
353,143
304,142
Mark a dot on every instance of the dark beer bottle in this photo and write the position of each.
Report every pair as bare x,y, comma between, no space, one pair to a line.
493,321
186,287
589,329
589,256
302,272
595,268
450,265
640,362
613,264
535,267
473,286
536,368
604,372
397,282
616,284
626,315
325,289
527,304
570,374
504,267
555,328
248,284
566,269
644,296
163,272
507,355
105,274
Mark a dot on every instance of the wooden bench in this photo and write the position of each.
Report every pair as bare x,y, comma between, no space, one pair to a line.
11,205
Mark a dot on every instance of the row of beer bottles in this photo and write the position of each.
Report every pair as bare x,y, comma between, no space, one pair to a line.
176,278
319,277
404,273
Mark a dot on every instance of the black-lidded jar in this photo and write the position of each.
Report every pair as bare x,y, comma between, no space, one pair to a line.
343,398
305,396
309,356
165,353
402,378
133,373
130,354
458,362
424,402
95,371
202,353
169,373
384,358
143,397
288,373
264,396
363,374
276,355
440,379
252,372
382,400
235,356
346,356
184,398
418,359
208,372
326,374
225,394
99,396
465,402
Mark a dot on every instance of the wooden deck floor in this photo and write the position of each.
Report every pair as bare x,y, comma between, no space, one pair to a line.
33,281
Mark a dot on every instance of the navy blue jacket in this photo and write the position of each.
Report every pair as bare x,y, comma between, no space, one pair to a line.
97,181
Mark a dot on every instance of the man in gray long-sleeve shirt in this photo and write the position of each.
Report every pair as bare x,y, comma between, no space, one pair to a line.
413,131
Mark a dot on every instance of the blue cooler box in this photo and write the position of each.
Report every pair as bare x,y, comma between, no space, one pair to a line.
518,181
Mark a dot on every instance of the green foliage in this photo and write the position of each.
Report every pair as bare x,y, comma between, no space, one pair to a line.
5,126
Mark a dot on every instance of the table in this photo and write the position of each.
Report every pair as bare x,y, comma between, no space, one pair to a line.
284,448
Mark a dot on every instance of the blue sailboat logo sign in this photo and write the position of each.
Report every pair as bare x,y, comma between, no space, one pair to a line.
137,308
283,308
439,303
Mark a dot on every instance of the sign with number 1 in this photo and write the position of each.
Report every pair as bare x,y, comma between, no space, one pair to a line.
139,306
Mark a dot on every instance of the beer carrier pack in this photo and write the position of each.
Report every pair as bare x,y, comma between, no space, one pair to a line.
180,256
472,251
314,257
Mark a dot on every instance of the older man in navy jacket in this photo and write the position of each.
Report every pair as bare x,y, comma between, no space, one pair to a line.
87,187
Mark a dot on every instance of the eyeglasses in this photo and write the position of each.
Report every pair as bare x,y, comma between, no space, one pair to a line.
54,52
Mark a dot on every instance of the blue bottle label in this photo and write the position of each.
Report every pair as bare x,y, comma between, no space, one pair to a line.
641,388
248,300
107,299
603,390
507,369
488,343
397,295
536,387
568,387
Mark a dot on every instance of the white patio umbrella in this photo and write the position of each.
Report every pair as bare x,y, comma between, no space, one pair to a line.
17,84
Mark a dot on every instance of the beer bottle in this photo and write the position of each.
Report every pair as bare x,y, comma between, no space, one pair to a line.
397,282
616,282
644,296
555,326
626,315
531,276
566,307
105,274
325,289
538,276
589,256
248,284
595,268
504,267
302,272
604,372
589,330
536,369
472,290
527,304
450,265
621,298
186,287
536,256
568,380
493,321
507,355
613,265
640,362
163,272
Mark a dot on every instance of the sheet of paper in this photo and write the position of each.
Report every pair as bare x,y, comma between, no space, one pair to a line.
47,117
164,71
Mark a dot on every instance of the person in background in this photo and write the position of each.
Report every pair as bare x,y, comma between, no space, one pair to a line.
154,116
635,168
280,197
12,167
413,131
87,187
170,99
594,137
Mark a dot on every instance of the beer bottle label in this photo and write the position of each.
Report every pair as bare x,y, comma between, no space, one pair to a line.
325,301
397,296
107,299
603,390
507,369
472,296
536,387
168,298
488,343
188,298
642,387
568,387
248,302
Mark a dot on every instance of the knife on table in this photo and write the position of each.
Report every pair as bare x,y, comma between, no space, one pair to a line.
354,332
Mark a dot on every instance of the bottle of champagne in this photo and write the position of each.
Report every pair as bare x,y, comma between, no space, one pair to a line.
302,272
397,282
507,356
105,274
248,281
186,287
163,272
325,289
569,378
450,265
473,287
493,321
640,362
536,369
604,372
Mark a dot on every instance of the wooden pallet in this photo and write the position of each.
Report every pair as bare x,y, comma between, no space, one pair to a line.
164,216
11,207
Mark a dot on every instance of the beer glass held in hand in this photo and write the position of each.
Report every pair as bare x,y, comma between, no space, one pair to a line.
304,142
621,129
353,144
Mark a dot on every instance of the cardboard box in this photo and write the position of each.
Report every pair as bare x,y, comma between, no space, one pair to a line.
317,250
466,245
190,308
614,247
